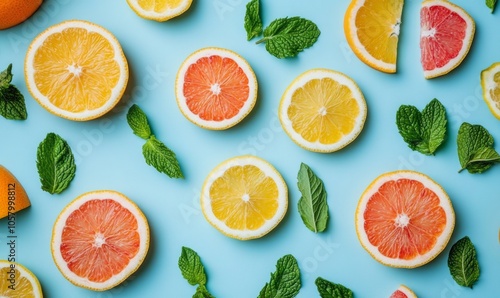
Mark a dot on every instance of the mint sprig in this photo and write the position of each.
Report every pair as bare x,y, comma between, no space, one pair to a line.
155,152
491,4
253,22
55,163
12,105
328,289
194,272
475,148
463,263
285,281
312,206
423,131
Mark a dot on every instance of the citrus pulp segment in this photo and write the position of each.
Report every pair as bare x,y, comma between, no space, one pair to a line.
372,30
14,12
81,80
13,197
159,10
215,88
244,197
18,281
322,110
446,34
490,82
404,219
99,240
403,292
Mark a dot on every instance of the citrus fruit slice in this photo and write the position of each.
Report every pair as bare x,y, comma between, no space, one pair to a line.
159,10
18,281
13,197
322,110
372,29
99,240
490,82
14,12
215,88
244,197
446,34
404,219
81,80
403,292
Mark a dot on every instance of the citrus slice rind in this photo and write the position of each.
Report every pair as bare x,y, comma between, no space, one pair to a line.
490,83
389,218
372,30
265,171
24,281
249,82
403,292
60,227
355,99
431,21
159,10
65,71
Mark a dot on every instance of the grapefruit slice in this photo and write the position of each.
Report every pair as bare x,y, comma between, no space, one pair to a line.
99,240
446,34
490,83
18,282
215,88
403,292
404,219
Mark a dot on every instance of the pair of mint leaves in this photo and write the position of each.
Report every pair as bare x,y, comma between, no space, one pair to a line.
284,282
12,105
284,37
425,131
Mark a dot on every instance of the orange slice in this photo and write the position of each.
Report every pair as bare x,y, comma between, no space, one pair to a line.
13,197
18,282
81,80
446,34
215,88
404,219
99,240
403,292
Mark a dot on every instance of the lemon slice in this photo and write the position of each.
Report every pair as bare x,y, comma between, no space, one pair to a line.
490,81
159,10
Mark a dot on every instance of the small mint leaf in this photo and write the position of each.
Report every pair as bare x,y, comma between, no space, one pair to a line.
463,264
312,206
253,23
161,158
138,121
285,281
191,267
329,289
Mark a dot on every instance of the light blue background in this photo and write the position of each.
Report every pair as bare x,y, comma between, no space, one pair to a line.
109,155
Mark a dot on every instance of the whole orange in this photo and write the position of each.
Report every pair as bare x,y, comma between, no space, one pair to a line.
14,12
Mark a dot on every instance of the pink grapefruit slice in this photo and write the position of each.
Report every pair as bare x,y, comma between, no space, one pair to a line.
403,292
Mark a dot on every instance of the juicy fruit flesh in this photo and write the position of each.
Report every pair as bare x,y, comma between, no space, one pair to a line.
495,91
378,23
159,6
78,76
99,239
398,294
404,219
215,88
323,111
442,36
244,197
22,286
11,190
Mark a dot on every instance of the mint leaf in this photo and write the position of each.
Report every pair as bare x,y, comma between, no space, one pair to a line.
161,158
285,281
463,264
253,23
191,267
313,207
491,4
202,292
138,121
475,148
287,37
423,131
55,163
329,289
12,105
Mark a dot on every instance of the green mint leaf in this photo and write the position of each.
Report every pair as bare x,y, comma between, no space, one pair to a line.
491,4
138,121
202,292
253,23
329,289
161,158
471,143
285,281
482,158
55,163
313,207
423,131
191,267
12,105
287,37
463,264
